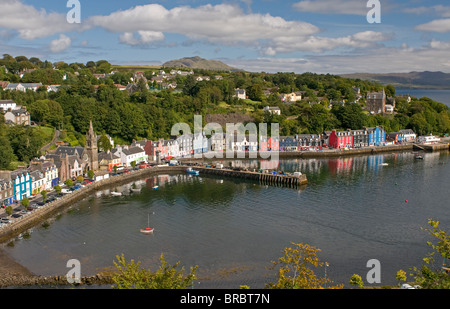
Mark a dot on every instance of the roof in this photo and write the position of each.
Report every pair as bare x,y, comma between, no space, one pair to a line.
70,150
133,150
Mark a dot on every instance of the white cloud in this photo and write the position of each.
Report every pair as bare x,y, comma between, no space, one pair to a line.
228,25
438,25
61,44
223,23
145,37
440,10
350,7
319,44
31,23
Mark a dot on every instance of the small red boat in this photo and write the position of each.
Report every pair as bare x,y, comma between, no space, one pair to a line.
148,230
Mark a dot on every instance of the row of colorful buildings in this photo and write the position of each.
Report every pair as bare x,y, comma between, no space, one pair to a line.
68,162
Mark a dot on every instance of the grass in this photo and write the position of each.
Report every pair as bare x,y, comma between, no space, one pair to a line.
46,133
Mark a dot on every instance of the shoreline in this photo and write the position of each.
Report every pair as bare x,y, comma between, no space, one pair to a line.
15,274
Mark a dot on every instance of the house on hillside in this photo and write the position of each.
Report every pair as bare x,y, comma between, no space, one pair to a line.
376,102
18,117
23,86
275,110
240,94
6,105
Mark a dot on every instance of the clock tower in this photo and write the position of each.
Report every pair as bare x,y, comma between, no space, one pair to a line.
91,149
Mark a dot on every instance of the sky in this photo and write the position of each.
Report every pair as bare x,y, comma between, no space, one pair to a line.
319,36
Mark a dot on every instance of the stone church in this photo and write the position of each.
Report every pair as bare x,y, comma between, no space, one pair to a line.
76,161
91,149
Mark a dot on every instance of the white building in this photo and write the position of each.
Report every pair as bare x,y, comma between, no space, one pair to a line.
273,110
24,86
240,94
5,105
130,154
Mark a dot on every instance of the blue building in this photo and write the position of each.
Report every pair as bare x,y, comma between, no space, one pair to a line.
377,136
22,184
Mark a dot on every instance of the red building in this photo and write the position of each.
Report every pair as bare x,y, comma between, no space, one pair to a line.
152,147
269,144
340,139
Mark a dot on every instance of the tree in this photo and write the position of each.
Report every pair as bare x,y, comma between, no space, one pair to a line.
430,276
356,280
44,195
104,143
57,189
68,183
25,202
91,174
6,151
294,270
9,210
129,275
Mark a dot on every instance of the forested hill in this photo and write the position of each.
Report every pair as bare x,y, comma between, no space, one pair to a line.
431,80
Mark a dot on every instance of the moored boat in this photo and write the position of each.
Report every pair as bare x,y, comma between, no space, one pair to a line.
190,171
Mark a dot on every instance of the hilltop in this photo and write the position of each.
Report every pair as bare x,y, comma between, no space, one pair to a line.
199,63
430,80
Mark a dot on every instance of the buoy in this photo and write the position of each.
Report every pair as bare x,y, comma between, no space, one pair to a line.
406,201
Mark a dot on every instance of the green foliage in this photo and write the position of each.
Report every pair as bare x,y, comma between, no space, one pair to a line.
25,202
57,189
431,276
356,280
44,195
68,183
295,269
129,275
91,174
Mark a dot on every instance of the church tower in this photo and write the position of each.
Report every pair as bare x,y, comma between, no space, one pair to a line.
91,148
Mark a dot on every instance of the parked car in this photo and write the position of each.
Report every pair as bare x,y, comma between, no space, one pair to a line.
5,220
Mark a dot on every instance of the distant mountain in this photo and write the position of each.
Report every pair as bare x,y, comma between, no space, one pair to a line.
199,63
431,80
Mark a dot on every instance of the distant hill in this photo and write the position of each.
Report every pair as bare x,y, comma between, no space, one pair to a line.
199,63
431,80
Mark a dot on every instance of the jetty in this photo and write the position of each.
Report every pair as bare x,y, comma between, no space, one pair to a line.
264,177
432,147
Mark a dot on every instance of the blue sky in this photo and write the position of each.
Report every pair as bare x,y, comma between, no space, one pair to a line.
321,36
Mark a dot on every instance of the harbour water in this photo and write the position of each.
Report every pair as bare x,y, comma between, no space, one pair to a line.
354,209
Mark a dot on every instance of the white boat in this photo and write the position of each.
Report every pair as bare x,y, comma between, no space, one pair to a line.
190,171
384,164
148,229
155,187
116,194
